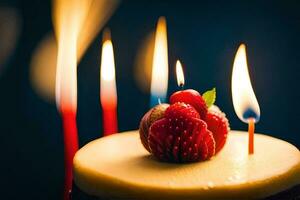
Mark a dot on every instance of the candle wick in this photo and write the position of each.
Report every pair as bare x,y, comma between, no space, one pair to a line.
181,86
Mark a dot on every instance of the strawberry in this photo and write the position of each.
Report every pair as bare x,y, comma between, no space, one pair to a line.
191,97
151,116
218,124
181,136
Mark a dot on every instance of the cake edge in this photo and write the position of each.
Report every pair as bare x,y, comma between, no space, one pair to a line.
111,187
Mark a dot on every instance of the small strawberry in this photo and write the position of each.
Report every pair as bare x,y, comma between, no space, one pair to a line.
181,136
218,124
151,116
191,97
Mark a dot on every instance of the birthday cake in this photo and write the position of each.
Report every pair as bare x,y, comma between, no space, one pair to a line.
185,151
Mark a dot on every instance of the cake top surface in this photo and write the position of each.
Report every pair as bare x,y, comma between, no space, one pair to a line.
121,161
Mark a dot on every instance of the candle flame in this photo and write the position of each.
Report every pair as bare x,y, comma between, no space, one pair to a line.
243,97
98,14
66,73
179,74
108,93
76,24
159,80
68,18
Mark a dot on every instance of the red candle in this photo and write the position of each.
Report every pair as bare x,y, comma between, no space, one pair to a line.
66,99
70,148
75,24
108,92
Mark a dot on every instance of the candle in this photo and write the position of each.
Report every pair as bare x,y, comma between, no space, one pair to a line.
66,99
68,18
159,80
108,92
244,101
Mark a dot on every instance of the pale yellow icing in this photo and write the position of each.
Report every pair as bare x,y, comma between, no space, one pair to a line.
118,166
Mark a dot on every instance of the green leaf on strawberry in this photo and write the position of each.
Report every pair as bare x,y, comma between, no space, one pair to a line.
209,97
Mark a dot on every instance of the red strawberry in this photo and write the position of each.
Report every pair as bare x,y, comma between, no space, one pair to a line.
218,124
181,109
181,136
191,97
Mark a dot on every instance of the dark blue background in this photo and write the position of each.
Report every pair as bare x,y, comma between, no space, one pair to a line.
204,34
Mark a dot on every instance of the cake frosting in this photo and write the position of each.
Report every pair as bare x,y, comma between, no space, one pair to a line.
118,166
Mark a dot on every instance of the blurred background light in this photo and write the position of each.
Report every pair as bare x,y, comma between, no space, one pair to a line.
43,68
10,27
143,63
